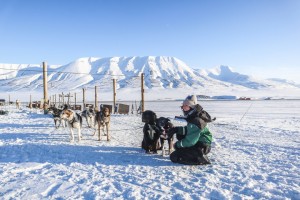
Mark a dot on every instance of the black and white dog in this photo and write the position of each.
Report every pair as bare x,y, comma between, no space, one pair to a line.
74,121
89,114
164,124
56,116
154,132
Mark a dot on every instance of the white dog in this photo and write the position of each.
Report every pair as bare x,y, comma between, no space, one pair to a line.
74,120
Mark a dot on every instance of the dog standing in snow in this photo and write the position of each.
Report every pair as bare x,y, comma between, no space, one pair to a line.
74,121
89,114
56,116
102,120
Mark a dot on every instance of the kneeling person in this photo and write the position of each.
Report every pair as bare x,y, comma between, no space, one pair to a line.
194,140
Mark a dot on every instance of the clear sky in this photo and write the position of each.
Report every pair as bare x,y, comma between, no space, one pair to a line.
254,37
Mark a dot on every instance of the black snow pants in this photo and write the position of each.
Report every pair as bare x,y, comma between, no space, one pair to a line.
195,155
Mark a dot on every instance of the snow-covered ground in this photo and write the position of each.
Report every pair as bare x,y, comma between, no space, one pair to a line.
255,155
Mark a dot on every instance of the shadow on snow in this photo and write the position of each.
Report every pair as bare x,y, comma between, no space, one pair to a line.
70,153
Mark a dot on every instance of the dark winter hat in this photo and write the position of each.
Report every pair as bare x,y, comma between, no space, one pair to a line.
190,101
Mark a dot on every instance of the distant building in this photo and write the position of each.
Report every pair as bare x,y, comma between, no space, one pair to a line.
244,98
203,97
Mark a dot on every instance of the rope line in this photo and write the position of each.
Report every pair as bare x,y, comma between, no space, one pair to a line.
61,72
246,111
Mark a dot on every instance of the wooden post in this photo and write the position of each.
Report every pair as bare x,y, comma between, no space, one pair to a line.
83,98
63,98
69,98
30,102
75,98
142,93
59,99
96,99
8,99
45,82
114,95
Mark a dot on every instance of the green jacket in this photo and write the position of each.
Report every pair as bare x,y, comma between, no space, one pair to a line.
193,135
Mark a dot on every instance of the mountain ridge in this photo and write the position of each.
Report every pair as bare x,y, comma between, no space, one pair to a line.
160,72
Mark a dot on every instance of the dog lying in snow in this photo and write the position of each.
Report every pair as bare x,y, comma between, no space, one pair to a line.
154,132
74,121
102,120
89,115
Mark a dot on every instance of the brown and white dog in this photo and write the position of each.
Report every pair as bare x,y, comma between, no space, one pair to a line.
74,121
102,120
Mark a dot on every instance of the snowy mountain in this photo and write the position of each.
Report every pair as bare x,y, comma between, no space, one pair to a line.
160,72
227,74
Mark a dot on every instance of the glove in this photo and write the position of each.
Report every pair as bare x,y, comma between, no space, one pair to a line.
172,131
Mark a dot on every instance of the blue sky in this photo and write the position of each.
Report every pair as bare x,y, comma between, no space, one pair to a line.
254,37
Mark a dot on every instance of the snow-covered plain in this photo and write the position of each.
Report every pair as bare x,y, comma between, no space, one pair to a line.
255,155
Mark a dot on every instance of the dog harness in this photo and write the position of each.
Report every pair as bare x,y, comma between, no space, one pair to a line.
74,120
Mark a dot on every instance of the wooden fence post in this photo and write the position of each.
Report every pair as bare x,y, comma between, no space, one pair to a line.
75,98
142,93
96,99
83,98
114,95
45,83
69,98
30,102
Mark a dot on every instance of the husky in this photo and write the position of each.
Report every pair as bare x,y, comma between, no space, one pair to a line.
89,114
102,120
74,121
56,116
